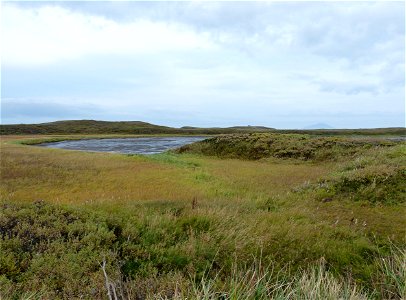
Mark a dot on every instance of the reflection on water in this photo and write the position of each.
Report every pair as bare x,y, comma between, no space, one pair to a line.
149,145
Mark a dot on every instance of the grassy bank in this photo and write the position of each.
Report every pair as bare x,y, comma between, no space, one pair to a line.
189,225
255,146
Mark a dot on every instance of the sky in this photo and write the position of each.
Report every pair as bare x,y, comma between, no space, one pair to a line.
276,64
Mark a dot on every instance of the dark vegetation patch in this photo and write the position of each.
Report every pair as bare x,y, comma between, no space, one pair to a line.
48,247
376,188
381,187
59,250
376,177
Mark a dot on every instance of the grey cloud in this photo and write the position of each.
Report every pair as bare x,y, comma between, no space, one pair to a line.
307,46
347,88
352,30
392,73
13,109
91,76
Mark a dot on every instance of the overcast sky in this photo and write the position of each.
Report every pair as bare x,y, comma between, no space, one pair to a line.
277,64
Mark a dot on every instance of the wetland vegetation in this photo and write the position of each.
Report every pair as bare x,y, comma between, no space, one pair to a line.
242,216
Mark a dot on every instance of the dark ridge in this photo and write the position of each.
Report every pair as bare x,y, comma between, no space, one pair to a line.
138,127
121,127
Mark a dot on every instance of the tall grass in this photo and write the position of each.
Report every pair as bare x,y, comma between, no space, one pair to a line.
392,275
258,281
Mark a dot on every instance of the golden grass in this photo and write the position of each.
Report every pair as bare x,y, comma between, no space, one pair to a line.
67,176
33,173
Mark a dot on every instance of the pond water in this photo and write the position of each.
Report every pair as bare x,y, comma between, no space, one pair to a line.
147,145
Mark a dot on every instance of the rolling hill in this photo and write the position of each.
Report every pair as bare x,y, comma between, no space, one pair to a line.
138,127
122,127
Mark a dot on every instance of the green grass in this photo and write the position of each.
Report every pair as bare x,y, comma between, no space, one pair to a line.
189,225
58,251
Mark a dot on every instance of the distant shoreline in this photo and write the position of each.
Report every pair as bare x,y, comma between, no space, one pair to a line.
138,127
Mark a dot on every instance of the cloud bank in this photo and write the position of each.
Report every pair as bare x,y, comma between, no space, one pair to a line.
279,64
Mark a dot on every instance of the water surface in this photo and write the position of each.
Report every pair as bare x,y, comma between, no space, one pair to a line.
147,145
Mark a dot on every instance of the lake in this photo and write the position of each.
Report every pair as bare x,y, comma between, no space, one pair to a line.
144,145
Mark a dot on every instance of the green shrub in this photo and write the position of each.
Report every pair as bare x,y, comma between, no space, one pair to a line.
51,251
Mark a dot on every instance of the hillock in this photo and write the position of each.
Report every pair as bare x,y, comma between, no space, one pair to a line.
256,146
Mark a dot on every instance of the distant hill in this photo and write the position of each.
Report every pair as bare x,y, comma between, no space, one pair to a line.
138,127
122,127
83,127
